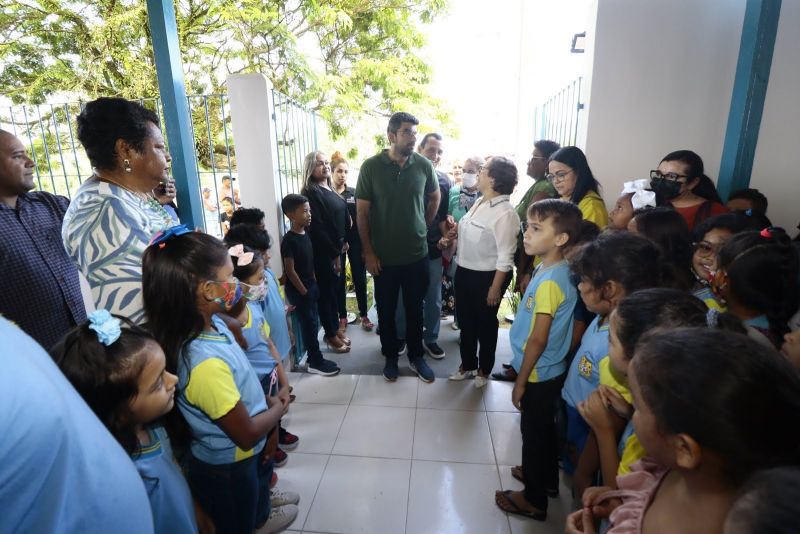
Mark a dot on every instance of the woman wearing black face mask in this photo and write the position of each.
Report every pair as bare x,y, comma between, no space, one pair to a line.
679,182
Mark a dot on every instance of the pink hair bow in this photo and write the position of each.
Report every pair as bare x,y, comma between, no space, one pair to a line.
242,258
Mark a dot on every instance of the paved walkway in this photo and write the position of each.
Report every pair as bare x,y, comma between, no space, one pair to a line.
407,457
365,356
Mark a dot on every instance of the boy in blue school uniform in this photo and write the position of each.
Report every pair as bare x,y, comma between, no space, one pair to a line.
540,340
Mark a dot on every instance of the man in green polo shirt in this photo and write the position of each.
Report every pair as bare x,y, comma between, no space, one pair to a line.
396,198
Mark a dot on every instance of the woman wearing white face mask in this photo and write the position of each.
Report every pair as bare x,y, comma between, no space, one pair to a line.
462,197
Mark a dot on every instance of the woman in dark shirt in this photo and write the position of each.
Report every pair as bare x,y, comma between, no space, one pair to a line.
327,233
357,268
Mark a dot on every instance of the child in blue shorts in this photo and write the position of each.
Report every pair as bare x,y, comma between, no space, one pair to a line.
540,340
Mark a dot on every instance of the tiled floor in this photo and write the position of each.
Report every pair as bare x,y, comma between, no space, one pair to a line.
408,457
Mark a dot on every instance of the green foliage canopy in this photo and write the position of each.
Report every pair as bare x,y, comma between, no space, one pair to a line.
342,58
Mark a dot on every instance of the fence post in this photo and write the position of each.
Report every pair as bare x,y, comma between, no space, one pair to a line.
256,147
169,68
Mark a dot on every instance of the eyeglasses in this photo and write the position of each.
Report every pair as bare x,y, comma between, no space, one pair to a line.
323,163
559,176
671,176
704,248
407,132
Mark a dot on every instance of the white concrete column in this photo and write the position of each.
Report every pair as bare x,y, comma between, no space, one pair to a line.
252,108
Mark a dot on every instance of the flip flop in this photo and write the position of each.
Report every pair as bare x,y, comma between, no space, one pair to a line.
514,509
516,472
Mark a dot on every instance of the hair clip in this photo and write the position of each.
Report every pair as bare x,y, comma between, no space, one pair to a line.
712,316
163,236
749,212
242,258
107,327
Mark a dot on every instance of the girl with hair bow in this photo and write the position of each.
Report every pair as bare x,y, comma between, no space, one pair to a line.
634,196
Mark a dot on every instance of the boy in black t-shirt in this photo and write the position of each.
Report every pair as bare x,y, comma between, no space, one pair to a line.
301,286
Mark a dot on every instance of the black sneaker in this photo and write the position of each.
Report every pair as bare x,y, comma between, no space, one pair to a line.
424,372
434,350
390,371
401,347
323,367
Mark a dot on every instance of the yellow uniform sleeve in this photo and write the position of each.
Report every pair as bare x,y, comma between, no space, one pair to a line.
632,453
548,298
607,378
593,209
212,389
265,329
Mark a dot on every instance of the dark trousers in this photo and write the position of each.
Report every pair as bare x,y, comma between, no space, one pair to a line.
477,320
236,495
412,280
539,440
328,282
358,272
306,313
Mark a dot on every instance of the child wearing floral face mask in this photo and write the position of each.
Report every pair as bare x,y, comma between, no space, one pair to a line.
187,280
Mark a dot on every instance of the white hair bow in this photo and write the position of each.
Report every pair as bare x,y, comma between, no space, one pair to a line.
641,195
242,258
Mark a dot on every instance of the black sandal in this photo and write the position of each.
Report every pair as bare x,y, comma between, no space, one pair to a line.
514,509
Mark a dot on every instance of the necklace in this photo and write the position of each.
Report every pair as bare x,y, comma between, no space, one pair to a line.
141,196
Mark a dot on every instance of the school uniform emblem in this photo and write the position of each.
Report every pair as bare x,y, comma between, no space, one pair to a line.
585,367
529,303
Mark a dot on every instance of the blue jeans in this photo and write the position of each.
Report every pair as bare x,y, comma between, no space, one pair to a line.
236,495
431,305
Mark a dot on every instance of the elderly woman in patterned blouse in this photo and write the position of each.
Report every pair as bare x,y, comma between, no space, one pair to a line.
114,214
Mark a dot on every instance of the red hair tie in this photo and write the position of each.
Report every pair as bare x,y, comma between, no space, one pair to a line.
766,232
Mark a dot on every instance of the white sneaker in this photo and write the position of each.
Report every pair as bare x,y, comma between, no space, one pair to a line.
480,381
280,517
461,374
282,498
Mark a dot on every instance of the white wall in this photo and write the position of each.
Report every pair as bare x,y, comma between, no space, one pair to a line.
661,80
776,168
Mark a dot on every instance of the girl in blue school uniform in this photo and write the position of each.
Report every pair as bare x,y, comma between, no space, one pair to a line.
274,310
187,279
757,280
119,370
612,266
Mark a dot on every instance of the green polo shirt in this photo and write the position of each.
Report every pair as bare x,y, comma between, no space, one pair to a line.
397,206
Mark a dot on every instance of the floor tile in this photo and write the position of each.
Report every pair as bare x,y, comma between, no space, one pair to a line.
326,389
506,437
294,378
376,431
453,436
302,474
497,396
375,391
454,498
361,495
557,509
450,395
317,425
